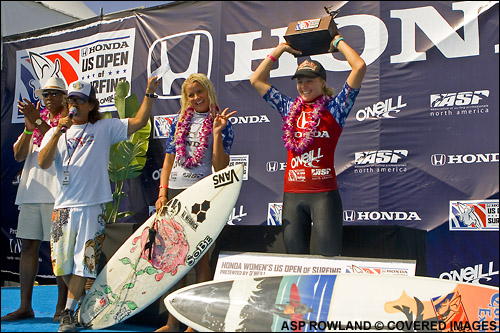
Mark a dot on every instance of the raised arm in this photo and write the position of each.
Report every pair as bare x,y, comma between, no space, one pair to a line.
259,78
141,118
22,146
355,61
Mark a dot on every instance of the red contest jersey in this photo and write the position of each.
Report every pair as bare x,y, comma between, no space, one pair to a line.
313,171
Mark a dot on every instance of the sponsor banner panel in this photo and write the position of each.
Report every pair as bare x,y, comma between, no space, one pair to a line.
423,132
474,215
233,264
466,256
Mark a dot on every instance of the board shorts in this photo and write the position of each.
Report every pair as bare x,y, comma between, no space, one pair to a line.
321,213
35,220
76,240
173,192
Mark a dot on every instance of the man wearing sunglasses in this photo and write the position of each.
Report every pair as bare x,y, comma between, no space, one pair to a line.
79,148
36,192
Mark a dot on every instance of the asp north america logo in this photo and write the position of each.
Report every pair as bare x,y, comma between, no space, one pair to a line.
381,161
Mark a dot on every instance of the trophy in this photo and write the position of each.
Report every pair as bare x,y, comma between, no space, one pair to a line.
312,36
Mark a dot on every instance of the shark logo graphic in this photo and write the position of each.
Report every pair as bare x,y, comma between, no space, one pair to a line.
468,216
103,59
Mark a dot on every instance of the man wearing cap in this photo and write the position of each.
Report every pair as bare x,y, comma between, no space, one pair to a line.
312,124
79,149
36,192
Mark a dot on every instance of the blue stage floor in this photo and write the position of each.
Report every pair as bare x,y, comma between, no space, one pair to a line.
44,302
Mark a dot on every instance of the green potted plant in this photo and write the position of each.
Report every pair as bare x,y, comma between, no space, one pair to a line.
127,158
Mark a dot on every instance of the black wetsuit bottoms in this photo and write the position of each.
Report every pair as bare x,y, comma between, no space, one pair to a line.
320,213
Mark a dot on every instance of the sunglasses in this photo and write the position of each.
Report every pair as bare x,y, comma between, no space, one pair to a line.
72,100
46,94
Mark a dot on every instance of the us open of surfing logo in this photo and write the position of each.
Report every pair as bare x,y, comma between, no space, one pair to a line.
178,56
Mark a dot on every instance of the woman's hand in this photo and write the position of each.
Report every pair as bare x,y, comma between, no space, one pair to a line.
162,201
284,47
220,121
337,36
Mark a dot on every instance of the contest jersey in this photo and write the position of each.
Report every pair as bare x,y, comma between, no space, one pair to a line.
313,171
182,177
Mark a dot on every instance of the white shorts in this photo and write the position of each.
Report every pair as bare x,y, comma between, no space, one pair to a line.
76,240
34,221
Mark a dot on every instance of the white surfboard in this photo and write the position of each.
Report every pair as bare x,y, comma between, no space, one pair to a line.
343,302
180,234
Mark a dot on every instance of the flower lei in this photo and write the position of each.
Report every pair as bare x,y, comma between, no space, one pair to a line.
299,145
183,125
45,115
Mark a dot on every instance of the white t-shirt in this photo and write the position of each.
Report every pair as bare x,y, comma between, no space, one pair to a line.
37,185
83,152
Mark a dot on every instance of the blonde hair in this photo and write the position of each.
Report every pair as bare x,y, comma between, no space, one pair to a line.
207,85
329,91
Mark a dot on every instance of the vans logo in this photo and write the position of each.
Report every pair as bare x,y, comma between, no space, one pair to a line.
225,178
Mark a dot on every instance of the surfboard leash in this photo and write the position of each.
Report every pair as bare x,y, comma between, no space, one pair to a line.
152,235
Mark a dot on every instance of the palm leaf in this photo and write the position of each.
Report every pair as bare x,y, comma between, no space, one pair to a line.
126,158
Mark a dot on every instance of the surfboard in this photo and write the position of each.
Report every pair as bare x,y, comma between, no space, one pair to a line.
335,302
162,250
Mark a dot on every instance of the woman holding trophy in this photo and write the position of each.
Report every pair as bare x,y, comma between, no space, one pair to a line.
312,125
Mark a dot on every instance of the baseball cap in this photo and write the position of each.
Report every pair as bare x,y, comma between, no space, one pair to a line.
310,68
81,89
53,83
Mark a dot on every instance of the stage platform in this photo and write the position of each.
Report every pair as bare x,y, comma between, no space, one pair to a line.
44,302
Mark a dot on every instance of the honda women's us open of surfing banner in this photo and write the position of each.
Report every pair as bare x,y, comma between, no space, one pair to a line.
420,148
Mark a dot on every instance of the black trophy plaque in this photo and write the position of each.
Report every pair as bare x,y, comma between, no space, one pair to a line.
311,36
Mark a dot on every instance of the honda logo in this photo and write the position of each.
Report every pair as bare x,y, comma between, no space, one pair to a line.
303,120
349,215
438,159
272,166
159,55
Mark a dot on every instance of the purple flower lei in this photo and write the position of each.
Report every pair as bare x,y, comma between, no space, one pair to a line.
45,115
299,145
184,124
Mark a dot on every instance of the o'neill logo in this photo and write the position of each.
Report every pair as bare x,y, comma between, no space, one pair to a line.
200,43
381,110
353,216
471,274
442,159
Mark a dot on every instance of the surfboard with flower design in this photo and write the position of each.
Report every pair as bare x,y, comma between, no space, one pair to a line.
160,252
